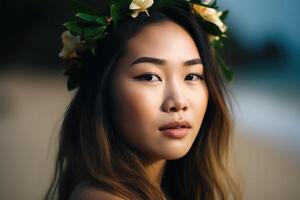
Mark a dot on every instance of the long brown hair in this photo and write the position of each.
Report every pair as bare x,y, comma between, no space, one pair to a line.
91,150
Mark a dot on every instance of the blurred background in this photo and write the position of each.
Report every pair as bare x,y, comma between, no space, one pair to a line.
263,49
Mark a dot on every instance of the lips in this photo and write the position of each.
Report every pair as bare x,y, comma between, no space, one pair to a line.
176,125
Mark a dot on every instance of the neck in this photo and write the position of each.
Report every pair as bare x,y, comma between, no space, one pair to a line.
155,171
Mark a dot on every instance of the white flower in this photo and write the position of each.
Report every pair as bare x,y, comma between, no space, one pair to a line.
210,14
207,2
70,43
140,6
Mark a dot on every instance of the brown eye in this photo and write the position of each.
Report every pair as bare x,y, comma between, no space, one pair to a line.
194,77
148,77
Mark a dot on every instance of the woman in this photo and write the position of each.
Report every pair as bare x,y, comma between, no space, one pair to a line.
149,119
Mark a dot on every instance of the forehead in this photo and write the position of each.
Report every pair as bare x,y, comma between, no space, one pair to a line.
164,39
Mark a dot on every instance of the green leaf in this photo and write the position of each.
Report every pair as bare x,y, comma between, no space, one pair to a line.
217,43
228,73
83,7
114,13
72,83
86,17
74,27
73,75
214,4
94,33
101,20
91,43
224,15
211,28
93,51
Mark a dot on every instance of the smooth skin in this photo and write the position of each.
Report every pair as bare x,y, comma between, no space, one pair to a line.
157,81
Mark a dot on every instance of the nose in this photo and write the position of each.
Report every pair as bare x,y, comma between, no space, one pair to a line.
175,101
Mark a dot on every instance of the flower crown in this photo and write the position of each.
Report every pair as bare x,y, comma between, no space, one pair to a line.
90,26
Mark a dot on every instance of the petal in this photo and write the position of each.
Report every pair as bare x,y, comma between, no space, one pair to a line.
207,2
219,14
149,3
135,13
65,34
73,55
224,28
133,6
146,11
62,54
221,25
209,11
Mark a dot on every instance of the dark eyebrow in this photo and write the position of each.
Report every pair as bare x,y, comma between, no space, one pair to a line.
159,61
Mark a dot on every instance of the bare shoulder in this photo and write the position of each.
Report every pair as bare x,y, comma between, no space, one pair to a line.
84,191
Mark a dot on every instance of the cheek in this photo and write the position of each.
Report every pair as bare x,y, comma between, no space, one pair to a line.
135,108
201,101
198,105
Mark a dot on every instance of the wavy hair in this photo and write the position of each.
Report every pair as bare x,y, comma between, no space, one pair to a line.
91,150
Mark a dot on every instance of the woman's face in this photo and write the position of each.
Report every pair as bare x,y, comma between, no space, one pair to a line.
156,82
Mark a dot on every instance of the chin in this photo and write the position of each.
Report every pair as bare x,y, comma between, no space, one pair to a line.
174,154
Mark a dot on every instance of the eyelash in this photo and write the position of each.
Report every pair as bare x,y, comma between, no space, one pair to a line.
142,77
